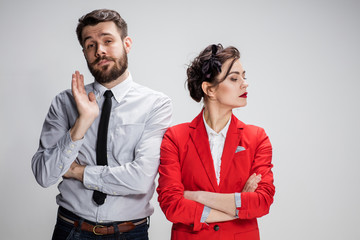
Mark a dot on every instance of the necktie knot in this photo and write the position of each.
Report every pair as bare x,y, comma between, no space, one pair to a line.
108,94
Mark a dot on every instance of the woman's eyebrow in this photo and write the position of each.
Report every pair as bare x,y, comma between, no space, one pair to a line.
234,72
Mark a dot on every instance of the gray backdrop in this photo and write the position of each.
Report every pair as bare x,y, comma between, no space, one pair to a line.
302,63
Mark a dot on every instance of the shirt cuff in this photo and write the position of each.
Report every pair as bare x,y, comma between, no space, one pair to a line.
69,147
205,214
238,200
92,177
237,203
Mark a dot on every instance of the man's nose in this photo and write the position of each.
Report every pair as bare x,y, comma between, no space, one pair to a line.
100,51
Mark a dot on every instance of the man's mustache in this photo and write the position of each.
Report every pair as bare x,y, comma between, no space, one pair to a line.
102,58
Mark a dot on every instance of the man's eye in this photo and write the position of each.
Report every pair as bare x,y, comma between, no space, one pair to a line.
90,46
233,79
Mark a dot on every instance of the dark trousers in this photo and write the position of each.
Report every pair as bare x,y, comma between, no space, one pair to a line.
67,231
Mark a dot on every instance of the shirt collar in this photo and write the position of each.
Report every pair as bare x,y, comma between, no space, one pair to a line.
210,131
119,90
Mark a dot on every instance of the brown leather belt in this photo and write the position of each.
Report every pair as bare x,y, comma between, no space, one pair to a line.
104,230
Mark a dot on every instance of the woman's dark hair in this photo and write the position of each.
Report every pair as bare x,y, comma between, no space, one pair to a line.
207,66
98,16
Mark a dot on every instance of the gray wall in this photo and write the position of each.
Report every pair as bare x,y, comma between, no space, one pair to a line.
302,63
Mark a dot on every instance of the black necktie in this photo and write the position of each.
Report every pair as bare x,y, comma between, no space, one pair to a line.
101,149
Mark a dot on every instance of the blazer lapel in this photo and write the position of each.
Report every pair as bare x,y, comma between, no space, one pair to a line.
233,138
200,139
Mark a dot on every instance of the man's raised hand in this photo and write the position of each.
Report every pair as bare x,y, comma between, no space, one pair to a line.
86,105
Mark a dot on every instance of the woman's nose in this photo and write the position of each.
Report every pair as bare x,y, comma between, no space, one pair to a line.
244,84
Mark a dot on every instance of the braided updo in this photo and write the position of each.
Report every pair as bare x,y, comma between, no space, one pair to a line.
207,66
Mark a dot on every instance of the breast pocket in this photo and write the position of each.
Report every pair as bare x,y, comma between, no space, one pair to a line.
242,155
124,139
241,168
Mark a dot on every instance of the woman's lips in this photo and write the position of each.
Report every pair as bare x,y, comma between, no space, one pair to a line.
244,95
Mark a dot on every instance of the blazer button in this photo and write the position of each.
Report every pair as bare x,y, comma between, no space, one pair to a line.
216,227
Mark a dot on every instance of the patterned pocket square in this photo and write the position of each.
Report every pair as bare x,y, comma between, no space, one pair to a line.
239,149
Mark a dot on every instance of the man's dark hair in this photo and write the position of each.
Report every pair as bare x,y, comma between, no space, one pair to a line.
98,16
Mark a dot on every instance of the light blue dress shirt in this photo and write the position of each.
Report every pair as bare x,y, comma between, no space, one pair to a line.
139,118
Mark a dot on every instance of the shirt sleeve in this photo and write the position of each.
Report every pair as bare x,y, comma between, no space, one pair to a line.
257,204
56,150
138,175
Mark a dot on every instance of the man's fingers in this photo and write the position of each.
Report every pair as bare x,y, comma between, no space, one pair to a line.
81,83
74,86
77,83
92,97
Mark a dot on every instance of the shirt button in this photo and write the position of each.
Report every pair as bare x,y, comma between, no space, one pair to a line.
72,146
68,151
216,227
60,166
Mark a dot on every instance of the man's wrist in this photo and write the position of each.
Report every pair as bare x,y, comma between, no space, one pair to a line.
80,127
79,172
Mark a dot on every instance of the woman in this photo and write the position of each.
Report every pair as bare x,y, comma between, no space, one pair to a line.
215,172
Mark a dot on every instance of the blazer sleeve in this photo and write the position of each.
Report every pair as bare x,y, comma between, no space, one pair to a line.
170,189
257,204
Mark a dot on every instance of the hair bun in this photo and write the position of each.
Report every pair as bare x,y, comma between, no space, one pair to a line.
206,67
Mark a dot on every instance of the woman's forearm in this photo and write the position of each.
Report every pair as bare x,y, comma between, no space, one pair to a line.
223,202
218,216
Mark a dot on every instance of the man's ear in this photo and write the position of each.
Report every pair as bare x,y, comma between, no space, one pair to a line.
208,89
127,44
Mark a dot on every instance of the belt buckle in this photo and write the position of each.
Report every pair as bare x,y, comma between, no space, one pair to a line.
95,227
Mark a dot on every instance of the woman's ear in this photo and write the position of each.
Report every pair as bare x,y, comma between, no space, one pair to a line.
208,89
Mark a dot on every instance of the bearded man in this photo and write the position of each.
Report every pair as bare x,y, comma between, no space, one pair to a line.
103,140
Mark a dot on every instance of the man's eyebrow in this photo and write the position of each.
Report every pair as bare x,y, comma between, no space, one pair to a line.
102,34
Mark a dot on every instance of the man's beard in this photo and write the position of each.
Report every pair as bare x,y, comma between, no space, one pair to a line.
102,75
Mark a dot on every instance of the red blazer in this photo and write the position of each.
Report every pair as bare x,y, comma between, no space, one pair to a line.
186,164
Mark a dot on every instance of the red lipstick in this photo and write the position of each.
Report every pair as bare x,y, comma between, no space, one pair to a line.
244,95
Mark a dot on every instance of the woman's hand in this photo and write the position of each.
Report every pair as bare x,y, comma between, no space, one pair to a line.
252,183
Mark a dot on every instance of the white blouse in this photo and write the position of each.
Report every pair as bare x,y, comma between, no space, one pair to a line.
216,141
